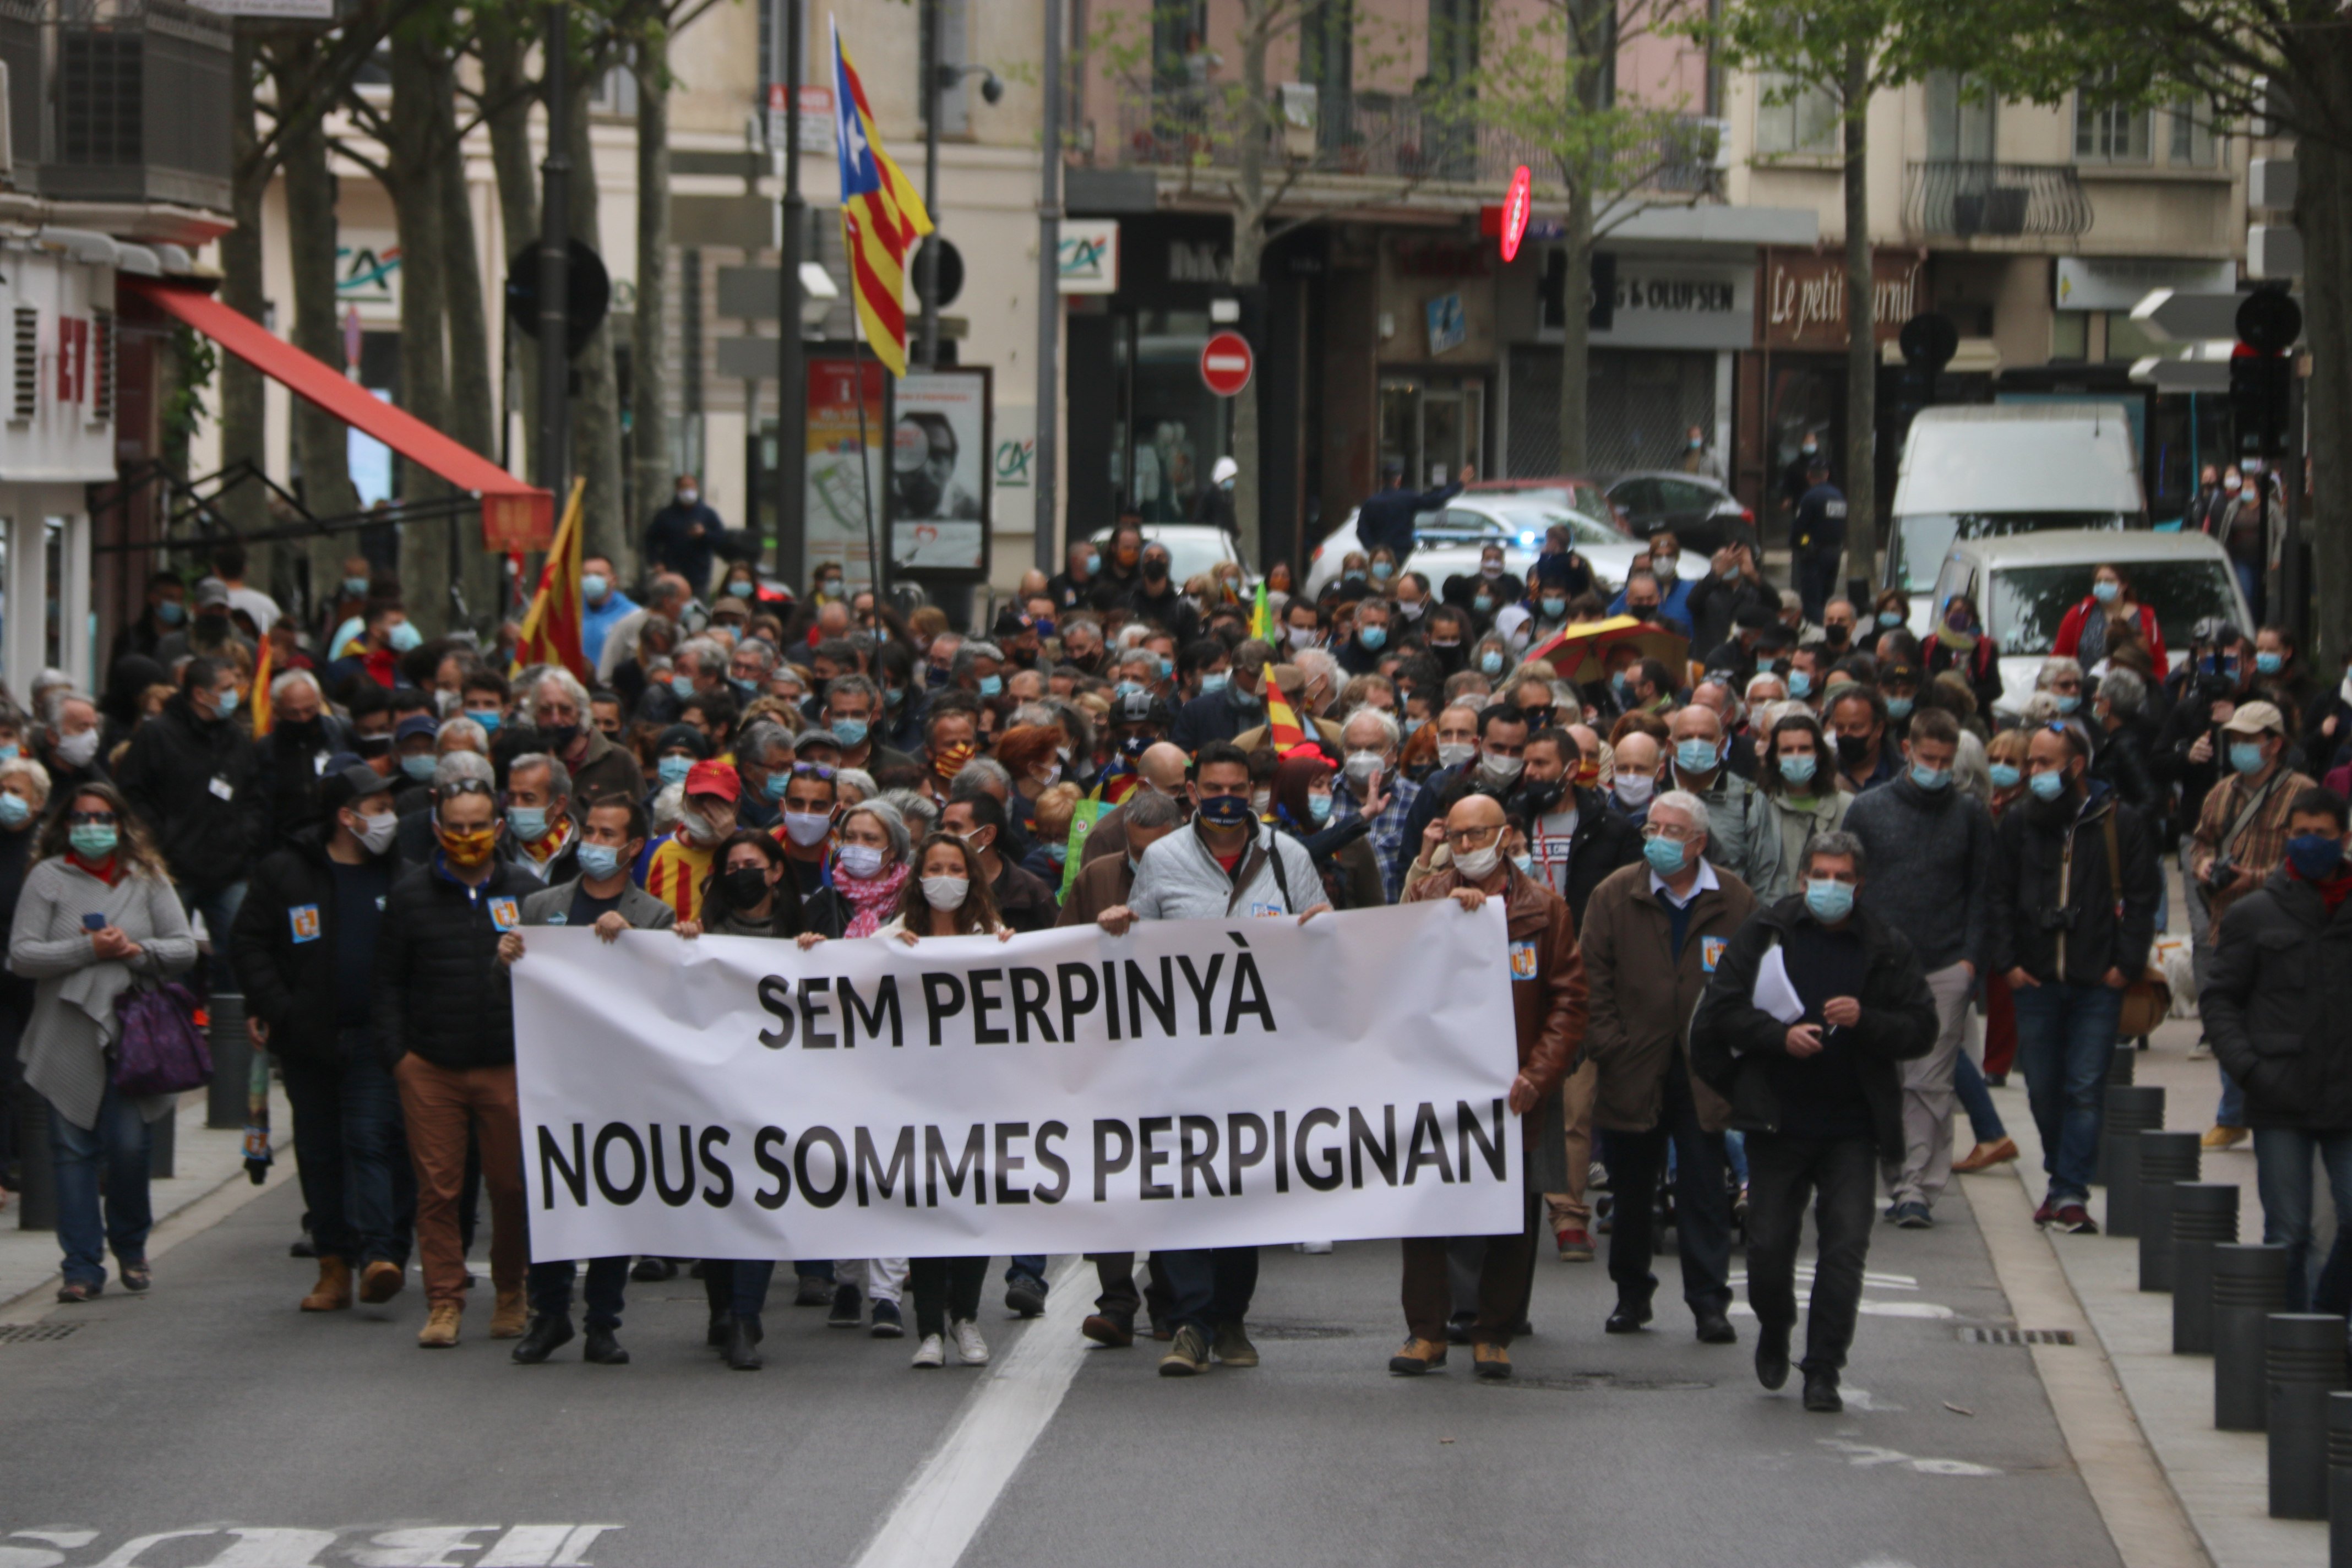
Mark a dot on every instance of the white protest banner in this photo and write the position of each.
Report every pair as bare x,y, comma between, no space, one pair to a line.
1193,1083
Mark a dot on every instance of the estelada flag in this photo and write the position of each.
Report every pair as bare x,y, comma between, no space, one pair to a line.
1281,722
881,215
262,674
551,629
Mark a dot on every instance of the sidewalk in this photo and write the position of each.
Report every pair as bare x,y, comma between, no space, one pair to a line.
206,1160
2220,1479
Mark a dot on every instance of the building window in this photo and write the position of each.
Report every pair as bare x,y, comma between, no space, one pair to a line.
2109,133
1960,123
2070,336
2194,146
1326,62
616,92
27,400
1794,116
1453,41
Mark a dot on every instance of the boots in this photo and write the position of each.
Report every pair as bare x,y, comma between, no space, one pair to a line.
381,1281
440,1330
509,1315
332,1293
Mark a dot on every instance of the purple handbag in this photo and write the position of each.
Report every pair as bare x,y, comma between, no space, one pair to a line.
161,1050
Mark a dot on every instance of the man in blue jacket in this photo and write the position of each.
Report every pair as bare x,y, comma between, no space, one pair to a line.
683,535
1387,518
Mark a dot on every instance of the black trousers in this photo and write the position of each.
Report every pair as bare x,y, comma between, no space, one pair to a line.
1782,1174
1120,1299
946,1289
1214,1285
1702,1205
608,1279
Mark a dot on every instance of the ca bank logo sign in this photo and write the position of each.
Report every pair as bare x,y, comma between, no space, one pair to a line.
367,275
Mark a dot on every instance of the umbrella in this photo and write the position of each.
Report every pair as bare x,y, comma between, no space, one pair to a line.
1580,652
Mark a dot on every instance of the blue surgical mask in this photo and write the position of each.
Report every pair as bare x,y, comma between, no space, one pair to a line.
1372,637
2316,857
529,822
1319,807
1930,779
1696,756
1798,767
1490,662
599,860
2069,701
403,637
357,587
1094,560
774,788
12,811
418,767
1665,855
990,684
2246,756
11,752
1526,863
1059,851
1829,899
1801,683
487,718
1900,707
1484,602
2047,786
894,695
850,733
1214,682
2006,775
171,611
1554,607
2270,663
594,585
673,770
228,700
682,684
92,840
1890,619
1383,570
2105,591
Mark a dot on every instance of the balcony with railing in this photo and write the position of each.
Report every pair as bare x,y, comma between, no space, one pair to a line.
1962,199
118,100
1387,137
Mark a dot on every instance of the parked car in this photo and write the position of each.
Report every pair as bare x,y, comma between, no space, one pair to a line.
1449,542
2023,584
1701,514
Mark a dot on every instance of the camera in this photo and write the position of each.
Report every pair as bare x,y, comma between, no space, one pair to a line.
2220,874
2057,920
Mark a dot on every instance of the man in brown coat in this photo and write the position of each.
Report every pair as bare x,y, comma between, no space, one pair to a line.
1547,1007
1652,935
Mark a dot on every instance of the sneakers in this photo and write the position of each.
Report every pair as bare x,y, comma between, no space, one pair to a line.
931,1353
1233,1346
971,1349
440,1330
813,1291
2201,1051
2220,1137
509,1315
549,1331
332,1293
1821,1395
2047,1212
1985,1156
1491,1361
1188,1354
848,1307
1025,1294
1575,1246
2074,1220
1418,1357
381,1281
1105,1330
888,1322
1913,1216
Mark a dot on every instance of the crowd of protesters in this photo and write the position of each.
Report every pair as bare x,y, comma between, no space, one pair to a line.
1779,911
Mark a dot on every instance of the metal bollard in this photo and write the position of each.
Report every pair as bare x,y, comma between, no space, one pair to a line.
225,1100
2304,1365
2204,1214
36,1205
2120,1070
2339,1480
164,1145
2166,1159
2249,1285
2132,1109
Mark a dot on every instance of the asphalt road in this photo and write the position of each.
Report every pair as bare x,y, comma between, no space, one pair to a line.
211,1424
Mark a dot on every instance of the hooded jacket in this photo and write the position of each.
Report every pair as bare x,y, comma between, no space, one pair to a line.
2276,1004
196,783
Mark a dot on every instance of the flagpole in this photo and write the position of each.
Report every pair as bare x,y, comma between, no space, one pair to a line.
792,374
865,466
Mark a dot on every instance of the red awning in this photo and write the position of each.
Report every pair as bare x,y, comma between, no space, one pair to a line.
515,516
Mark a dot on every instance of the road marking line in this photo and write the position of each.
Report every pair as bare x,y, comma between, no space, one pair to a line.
951,1494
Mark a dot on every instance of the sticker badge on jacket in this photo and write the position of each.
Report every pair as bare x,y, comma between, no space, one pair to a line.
304,918
1710,951
1523,961
504,915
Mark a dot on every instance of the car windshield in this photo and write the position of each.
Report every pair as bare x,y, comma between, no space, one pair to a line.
2028,602
1916,553
1192,552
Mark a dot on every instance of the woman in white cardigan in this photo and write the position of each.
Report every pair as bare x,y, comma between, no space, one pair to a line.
95,864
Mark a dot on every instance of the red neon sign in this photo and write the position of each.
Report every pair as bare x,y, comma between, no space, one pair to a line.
1515,211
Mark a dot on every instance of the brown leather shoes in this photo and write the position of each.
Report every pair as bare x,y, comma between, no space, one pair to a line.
510,1316
1490,1360
440,1330
332,1293
381,1281
1105,1330
1418,1356
1985,1156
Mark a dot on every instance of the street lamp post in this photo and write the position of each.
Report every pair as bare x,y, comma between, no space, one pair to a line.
792,375
1049,298
554,260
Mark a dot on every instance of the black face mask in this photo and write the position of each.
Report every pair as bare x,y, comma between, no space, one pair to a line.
1854,750
1541,799
301,730
744,886
374,745
1835,636
558,737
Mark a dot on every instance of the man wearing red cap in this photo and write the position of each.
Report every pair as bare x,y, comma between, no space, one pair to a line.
674,870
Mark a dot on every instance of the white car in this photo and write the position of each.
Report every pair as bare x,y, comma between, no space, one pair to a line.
1448,543
2023,584
1194,550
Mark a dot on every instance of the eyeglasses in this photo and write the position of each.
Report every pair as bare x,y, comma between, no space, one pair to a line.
89,819
1471,838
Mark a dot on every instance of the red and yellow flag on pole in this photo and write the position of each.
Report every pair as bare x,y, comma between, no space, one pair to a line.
881,215
1282,727
551,628
263,673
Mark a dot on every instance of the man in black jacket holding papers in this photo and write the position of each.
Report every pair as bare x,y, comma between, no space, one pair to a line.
1811,1009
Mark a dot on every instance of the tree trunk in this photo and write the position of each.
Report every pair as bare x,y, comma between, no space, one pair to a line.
1862,335
1249,254
596,393
243,409
412,173
502,35
2323,214
321,441
649,464
473,398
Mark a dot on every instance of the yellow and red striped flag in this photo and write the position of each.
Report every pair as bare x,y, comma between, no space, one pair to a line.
550,630
262,674
881,215
1282,728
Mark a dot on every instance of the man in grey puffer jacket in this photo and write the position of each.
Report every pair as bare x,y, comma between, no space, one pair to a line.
1930,847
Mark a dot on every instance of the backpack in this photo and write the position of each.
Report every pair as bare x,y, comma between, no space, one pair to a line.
161,1050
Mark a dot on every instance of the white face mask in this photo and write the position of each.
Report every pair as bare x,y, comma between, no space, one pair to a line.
1479,864
946,892
688,498
1302,636
375,833
1453,753
75,751
1636,789
1502,770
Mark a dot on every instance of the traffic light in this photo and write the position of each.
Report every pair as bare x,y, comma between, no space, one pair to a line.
2261,372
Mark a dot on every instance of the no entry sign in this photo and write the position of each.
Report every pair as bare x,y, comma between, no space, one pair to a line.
1226,363
1515,211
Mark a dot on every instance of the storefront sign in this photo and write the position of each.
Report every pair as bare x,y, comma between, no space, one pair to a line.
1449,323
367,272
2106,283
1515,213
1803,301
1678,305
815,117
1089,255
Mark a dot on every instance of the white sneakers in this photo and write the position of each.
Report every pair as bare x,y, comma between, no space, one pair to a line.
931,1352
971,1349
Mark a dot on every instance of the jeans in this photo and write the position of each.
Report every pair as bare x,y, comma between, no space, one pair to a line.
608,1279
1702,1207
741,1284
1968,1083
219,908
352,1153
1212,1285
1782,1172
2065,1043
1030,1267
109,1159
2232,1111
2282,1158
2250,581
947,1289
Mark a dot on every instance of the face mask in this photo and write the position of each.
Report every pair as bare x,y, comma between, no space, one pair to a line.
2106,592
1666,567
1413,725
2316,857
1261,802
1453,753
1501,770
990,684
12,811
1665,855
595,586
683,685
1354,575
894,695
1485,601
92,840
1490,663
75,751
1634,790
806,827
1361,766
1836,633
171,611
688,498
227,704
1526,863
2270,663
1798,767
2047,786
1319,807
560,736
1211,684
419,767
1302,636
357,587
2069,701
772,786
2231,485
1490,568
862,861
1801,683
2246,756
1382,569
673,770
745,886
1810,448
1854,750
468,849
1900,707
1226,810
1479,864
402,638
1930,779
599,860
1094,560
1890,619
528,821
1372,637
850,733
1554,607
1829,899
1696,756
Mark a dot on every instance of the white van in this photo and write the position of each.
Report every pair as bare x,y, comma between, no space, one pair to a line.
1983,470
2023,584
